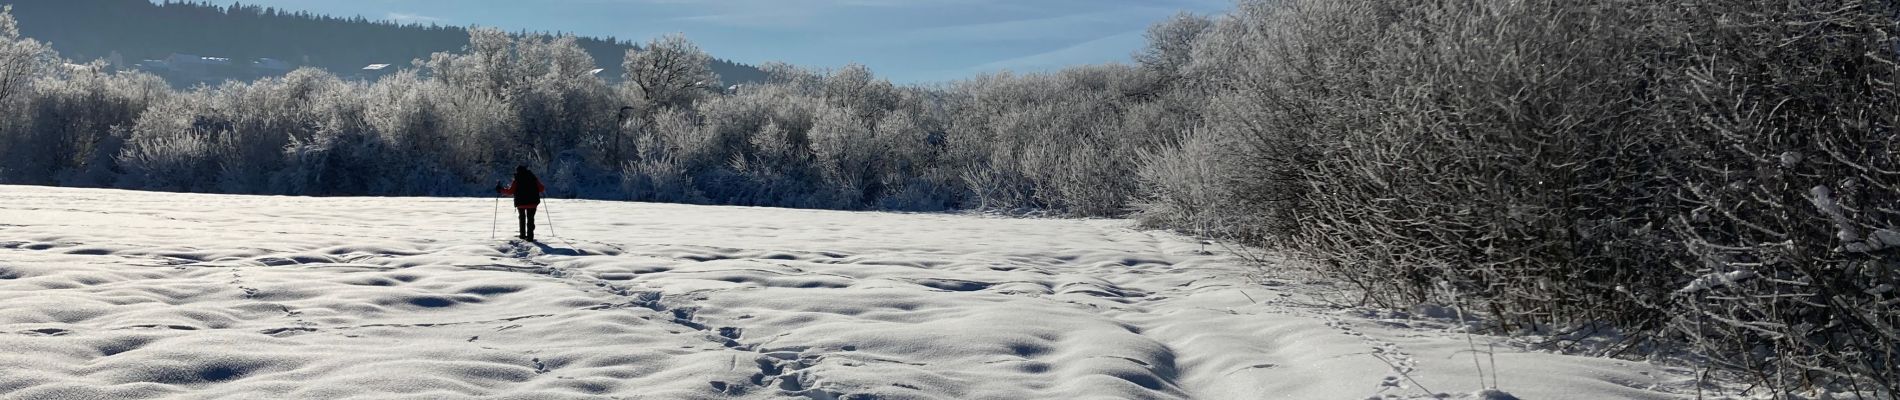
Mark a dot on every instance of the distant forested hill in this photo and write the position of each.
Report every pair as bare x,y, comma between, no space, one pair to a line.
141,30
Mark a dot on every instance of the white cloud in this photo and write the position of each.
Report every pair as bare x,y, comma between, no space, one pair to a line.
750,20
1055,27
410,18
1094,51
908,3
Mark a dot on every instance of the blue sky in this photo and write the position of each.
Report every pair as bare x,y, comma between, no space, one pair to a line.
907,41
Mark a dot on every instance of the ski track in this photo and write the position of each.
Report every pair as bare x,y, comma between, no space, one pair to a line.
120,294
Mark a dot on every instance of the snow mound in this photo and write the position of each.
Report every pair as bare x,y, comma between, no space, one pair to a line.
117,294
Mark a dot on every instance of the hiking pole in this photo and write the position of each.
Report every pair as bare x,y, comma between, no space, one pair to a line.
550,218
494,218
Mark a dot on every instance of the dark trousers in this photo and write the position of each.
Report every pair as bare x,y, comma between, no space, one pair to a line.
527,222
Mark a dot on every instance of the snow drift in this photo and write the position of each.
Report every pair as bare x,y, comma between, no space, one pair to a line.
119,294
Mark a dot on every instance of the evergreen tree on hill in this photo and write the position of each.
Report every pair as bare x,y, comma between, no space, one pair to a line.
136,30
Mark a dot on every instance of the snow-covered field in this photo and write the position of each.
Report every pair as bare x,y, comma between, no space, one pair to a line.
119,294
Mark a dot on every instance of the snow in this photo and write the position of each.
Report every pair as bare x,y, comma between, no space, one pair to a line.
120,294
1716,280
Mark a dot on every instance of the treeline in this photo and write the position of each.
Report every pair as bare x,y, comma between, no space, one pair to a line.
841,139
1710,173
141,30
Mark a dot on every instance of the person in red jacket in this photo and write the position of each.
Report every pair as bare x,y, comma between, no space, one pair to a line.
527,190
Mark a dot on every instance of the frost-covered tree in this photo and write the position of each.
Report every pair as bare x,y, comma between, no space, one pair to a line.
555,105
21,59
446,137
795,78
486,67
1171,43
670,72
860,92
563,106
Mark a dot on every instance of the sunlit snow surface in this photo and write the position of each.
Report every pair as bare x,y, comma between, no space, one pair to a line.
118,294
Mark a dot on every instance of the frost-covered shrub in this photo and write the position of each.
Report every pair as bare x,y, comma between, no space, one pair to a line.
338,161
1715,173
1062,141
665,168
172,147
240,129
1184,187
1787,177
848,155
1473,160
77,125
659,179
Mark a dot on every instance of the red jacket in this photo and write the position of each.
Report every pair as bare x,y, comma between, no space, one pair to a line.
510,191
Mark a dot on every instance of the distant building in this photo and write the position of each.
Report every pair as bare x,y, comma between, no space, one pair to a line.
80,68
272,66
373,72
190,69
202,68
